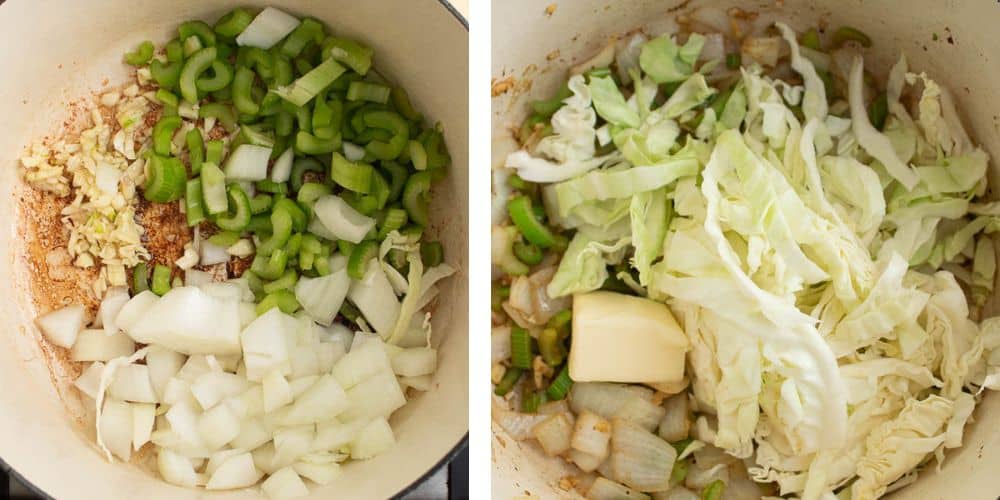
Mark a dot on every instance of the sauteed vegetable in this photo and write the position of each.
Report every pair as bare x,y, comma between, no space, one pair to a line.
279,343
731,266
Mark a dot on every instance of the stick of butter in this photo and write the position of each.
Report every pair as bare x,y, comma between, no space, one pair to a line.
622,338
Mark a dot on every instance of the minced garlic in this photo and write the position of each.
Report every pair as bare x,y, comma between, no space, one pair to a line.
100,173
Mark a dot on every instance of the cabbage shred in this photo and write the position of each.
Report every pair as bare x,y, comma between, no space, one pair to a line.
828,274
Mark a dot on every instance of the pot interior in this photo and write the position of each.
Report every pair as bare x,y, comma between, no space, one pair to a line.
533,48
57,53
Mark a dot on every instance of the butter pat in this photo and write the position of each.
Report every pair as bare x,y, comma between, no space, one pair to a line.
621,338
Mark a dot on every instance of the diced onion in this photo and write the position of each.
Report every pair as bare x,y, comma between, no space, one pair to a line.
585,461
133,310
341,220
218,458
640,459
414,361
322,400
352,151
247,162
90,380
606,489
375,298
194,277
237,471
517,424
675,424
195,397
114,300
605,399
554,434
242,248
218,426
263,458
334,434
300,385
116,427
764,50
143,419
188,320
322,297
212,387
552,407
304,361
316,227
284,484
277,392
95,345
264,344
308,331
183,418
194,367
132,383
374,438
118,420
361,363
420,383
290,443
338,333
177,390
212,254
378,396
252,435
319,473
709,456
500,343
176,468
591,435
282,168
189,259
698,477
63,325
248,313
641,411
228,290
327,353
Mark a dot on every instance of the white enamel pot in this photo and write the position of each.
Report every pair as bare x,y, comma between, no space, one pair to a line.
55,52
535,47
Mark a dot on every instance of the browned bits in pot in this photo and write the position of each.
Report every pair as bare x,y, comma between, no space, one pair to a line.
568,482
152,117
502,86
217,132
658,397
52,279
738,13
550,9
238,265
166,230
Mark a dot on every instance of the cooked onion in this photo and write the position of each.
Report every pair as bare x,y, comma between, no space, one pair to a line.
554,433
639,458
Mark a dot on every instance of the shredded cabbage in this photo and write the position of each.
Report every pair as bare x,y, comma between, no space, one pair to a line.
664,61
